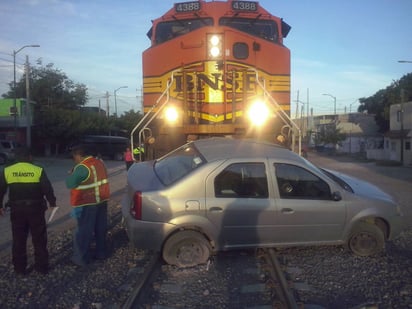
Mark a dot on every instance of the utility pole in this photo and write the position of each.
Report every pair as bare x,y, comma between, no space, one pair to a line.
401,120
107,104
115,100
14,87
307,113
28,109
297,106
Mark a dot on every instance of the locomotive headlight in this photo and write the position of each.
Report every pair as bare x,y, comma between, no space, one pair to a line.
215,51
214,45
258,113
214,40
171,114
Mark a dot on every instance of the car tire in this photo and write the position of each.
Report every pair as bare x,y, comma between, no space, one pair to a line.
186,249
366,239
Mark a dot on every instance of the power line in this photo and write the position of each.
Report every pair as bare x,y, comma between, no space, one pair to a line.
7,60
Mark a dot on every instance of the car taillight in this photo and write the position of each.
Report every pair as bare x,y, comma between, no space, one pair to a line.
136,207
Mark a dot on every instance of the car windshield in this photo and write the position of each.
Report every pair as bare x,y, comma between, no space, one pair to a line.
178,164
335,178
339,180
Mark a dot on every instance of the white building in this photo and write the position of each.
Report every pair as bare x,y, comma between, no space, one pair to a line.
397,141
360,129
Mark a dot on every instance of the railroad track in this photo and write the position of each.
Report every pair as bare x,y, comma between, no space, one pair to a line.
229,280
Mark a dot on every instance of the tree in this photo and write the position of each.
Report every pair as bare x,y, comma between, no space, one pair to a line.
58,100
60,127
330,134
129,120
379,104
50,88
58,116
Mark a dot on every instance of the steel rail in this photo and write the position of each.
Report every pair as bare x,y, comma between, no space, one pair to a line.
135,295
277,273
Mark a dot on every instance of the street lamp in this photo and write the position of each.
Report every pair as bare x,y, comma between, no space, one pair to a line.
334,101
401,112
115,100
351,125
14,86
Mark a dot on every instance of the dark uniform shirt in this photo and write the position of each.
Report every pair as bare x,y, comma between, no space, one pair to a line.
21,186
27,185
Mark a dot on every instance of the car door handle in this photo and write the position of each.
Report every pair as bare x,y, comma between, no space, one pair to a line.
287,211
215,209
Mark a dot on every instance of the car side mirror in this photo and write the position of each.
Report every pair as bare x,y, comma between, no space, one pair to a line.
336,196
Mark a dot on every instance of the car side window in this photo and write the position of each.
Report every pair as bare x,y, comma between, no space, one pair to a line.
243,180
295,182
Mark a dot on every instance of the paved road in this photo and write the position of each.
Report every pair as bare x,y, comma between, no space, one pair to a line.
395,180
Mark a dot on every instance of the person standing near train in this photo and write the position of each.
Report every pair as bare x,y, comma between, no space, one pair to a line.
89,194
138,153
128,158
27,186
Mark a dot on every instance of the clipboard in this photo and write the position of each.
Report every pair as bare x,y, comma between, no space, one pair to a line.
52,214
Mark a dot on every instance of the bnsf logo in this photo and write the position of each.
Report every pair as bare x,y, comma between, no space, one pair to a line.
211,85
214,81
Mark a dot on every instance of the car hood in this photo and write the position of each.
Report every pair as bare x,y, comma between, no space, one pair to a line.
363,188
141,177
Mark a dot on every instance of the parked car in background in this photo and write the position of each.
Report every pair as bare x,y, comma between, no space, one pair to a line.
7,150
106,146
222,193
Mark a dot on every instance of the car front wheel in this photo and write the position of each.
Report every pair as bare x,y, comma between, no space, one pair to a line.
186,249
366,239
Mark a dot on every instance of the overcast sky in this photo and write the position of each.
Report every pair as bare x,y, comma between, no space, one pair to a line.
349,49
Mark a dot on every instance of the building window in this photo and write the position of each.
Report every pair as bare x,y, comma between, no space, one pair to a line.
407,145
393,146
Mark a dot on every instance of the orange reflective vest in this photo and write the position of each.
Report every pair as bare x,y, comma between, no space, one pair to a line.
95,188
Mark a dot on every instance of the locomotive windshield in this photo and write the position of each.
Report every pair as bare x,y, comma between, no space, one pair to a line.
171,29
266,29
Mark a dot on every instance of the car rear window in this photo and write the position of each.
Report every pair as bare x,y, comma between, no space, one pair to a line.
178,164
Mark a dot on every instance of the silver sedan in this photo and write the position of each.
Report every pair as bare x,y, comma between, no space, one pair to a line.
222,193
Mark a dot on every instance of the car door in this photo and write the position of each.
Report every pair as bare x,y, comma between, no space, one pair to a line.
306,212
238,204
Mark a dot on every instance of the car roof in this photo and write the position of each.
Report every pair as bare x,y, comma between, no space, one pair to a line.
217,148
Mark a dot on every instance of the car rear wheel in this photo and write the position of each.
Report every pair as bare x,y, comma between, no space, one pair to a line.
366,239
186,249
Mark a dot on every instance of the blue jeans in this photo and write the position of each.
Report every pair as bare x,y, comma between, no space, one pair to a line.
91,223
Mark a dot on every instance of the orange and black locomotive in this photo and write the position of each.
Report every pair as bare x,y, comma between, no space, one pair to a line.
215,69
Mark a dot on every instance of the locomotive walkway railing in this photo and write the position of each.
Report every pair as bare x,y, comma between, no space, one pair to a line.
150,116
282,115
